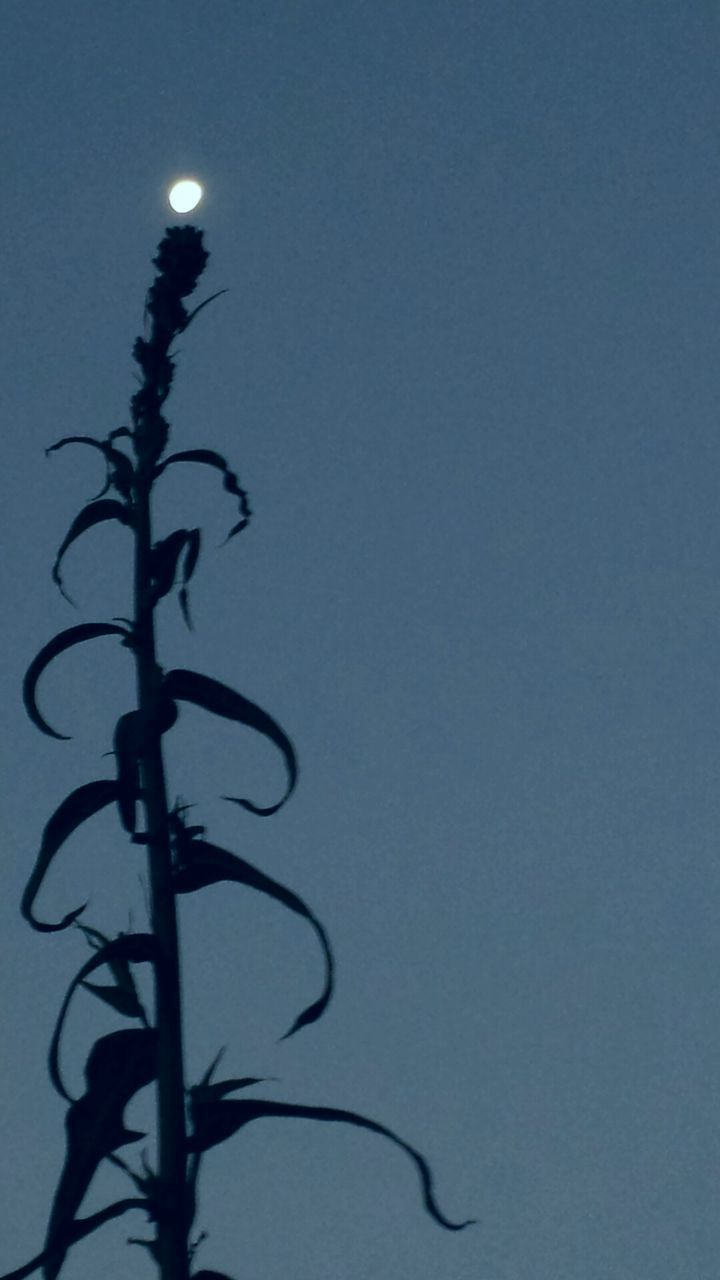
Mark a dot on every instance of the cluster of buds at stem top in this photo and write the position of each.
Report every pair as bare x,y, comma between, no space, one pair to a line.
180,261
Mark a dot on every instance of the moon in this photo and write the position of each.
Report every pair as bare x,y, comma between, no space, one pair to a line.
185,195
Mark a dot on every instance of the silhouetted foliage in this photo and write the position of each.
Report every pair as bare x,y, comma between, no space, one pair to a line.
180,859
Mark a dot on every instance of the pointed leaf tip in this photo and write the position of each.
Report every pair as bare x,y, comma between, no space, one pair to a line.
75,809
122,1001
209,458
204,1093
94,513
199,308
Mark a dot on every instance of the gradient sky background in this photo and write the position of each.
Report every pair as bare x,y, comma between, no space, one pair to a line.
467,369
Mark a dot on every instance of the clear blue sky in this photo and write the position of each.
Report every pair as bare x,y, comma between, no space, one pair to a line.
467,369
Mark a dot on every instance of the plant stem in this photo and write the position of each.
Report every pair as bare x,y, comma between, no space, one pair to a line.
173,1225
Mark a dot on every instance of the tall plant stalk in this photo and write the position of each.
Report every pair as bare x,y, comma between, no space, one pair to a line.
180,860
172,1224
149,437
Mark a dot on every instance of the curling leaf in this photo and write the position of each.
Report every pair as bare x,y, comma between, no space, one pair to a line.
59,643
215,1121
189,686
135,948
94,513
75,809
164,563
200,864
209,458
120,471
77,1230
118,1066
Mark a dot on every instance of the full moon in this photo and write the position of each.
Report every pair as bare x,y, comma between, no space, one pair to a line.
184,195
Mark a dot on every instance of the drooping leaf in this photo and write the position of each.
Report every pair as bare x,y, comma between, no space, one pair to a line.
135,948
209,458
75,809
164,561
119,1065
164,565
59,643
77,1230
214,1121
189,686
200,864
120,470
209,1275
94,513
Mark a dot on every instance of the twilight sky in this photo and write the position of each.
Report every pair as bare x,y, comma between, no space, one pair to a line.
467,370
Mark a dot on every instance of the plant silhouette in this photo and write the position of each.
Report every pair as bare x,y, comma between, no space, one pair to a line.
180,860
